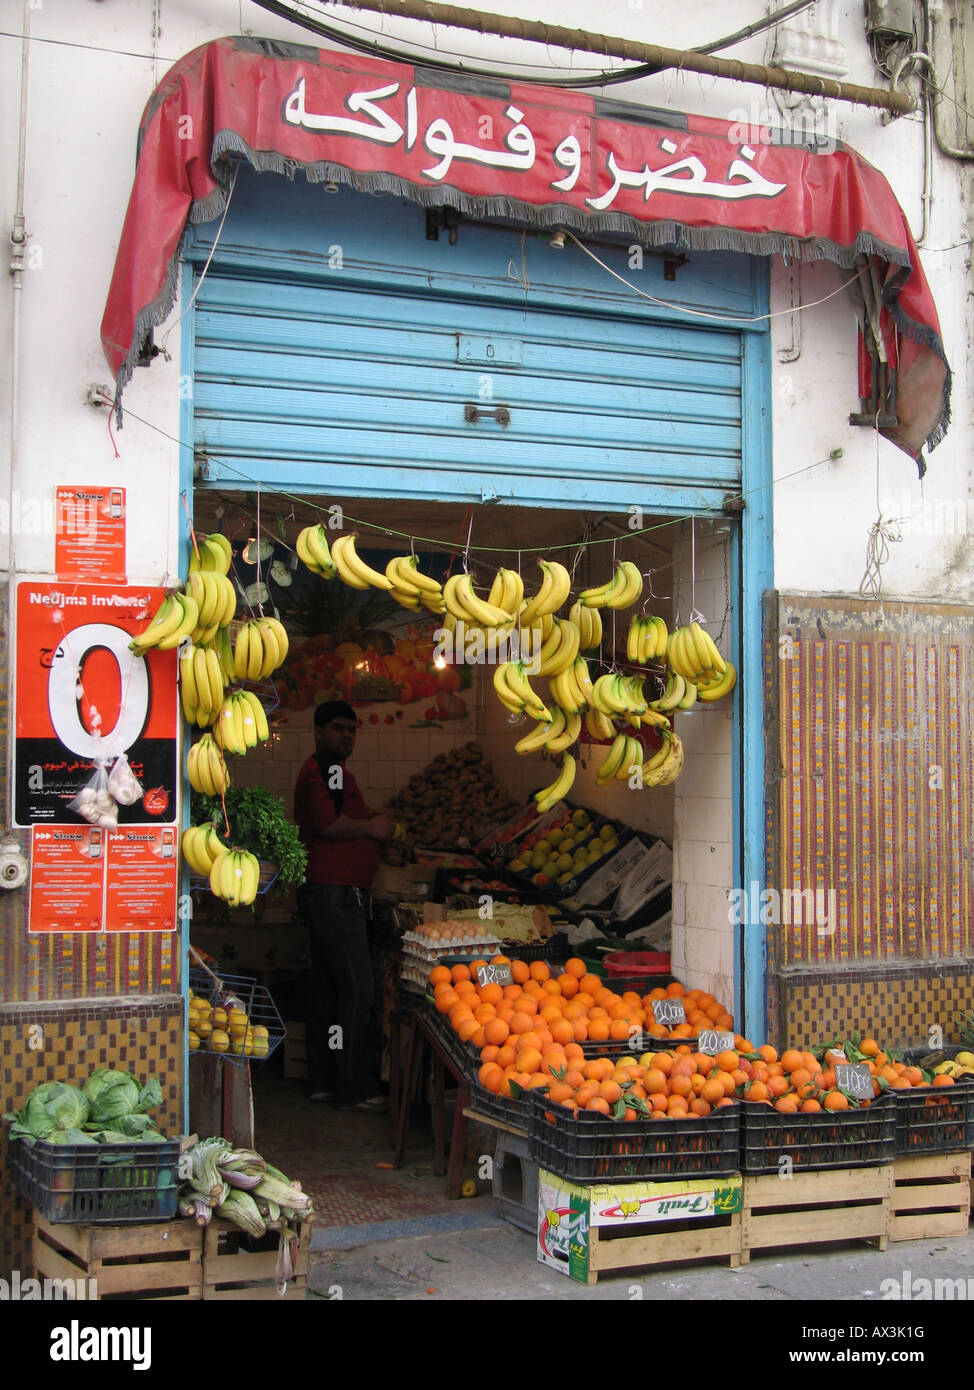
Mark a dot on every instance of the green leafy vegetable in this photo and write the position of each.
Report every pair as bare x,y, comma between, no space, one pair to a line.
259,822
54,1105
110,1094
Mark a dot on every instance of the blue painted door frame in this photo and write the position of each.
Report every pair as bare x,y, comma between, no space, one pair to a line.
741,290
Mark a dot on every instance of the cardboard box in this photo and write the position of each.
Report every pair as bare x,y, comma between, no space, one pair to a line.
631,873
405,882
571,1215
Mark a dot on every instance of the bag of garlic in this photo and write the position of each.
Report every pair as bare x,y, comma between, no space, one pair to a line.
95,802
123,784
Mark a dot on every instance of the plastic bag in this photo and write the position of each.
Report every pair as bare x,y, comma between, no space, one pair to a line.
94,802
123,784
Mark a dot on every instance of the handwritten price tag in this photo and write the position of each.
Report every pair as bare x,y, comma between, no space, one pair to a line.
669,1011
713,1042
494,975
856,1079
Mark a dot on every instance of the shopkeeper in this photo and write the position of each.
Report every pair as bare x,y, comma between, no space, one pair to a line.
343,839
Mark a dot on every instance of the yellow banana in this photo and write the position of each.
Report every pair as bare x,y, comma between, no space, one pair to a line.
166,619
613,761
538,737
241,652
716,689
201,680
599,725
631,588
557,743
258,714
551,795
272,652
518,683
255,653
353,569
599,597
214,677
189,621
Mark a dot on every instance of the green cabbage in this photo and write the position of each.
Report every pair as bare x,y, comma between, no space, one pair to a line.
110,1094
53,1106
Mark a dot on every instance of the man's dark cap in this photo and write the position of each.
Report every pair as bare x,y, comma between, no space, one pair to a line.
334,709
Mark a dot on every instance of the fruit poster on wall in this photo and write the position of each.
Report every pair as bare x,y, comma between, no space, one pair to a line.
82,696
361,647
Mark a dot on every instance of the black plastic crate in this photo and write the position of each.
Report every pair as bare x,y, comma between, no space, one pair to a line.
513,1113
556,948
586,1146
854,1138
97,1184
464,1057
935,1119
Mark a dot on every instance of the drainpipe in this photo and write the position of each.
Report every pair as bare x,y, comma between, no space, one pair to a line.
18,245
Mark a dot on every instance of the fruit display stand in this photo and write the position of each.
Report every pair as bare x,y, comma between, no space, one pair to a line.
158,1261
588,1230
424,1036
772,1142
236,1265
931,1196
809,1208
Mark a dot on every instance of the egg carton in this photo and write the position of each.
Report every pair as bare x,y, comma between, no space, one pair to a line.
430,950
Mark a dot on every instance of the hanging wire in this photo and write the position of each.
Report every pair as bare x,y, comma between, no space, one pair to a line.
883,533
206,266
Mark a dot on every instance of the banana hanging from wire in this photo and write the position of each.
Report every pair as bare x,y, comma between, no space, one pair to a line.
258,649
646,640
213,552
242,723
312,548
589,623
466,606
507,591
559,652
716,689
514,691
599,725
235,877
692,653
621,591
200,845
666,765
206,768
352,569
216,599
555,587
173,621
411,589
560,787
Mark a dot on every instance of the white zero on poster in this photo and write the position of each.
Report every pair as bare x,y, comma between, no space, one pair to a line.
62,692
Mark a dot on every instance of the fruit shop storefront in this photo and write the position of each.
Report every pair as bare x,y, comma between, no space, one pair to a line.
484,333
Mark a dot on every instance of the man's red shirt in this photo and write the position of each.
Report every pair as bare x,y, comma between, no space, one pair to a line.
349,863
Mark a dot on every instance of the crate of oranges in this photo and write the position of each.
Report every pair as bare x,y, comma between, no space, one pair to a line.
550,1015
795,1111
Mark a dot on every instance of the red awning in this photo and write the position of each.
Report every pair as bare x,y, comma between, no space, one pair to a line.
557,158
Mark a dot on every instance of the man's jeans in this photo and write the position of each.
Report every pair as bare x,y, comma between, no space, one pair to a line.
339,1039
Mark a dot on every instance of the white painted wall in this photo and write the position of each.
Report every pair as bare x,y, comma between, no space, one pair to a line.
93,64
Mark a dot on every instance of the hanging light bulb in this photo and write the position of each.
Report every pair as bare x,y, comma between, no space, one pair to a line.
440,663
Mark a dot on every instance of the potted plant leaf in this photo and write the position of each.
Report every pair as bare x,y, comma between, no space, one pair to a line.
259,823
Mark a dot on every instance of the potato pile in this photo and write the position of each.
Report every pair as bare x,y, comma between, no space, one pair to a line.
455,798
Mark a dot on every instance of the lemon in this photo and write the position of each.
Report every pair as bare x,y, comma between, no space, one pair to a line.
203,1007
259,1031
237,1016
966,1059
260,1047
203,1028
219,1018
219,1041
193,1040
468,1188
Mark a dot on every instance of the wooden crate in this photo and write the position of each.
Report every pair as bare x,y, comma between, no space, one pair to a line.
810,1208
295,1051
931,1196
585,1230
159,1260
655,1243
236,1266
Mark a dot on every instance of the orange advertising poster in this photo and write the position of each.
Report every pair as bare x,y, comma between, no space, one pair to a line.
142,878
89,535
83,698
67,878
